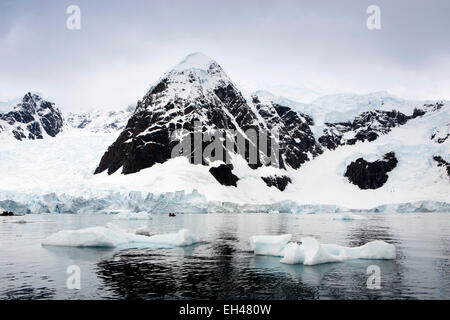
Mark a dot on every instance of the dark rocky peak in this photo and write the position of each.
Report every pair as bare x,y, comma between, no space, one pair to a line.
296,140
194,97
33,118
371,175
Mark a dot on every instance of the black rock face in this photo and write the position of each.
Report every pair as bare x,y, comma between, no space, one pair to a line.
440,135
368,126
31,118
279,182
442,163
224,175
296,140
6,214
147,137
371,175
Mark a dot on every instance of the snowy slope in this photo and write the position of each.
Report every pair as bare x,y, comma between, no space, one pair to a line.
5,105
100,121
304,93
346,106
343,106
416,177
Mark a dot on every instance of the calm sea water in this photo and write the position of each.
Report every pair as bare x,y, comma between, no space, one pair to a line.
222,266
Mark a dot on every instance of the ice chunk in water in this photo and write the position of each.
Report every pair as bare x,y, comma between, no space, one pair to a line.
311,252
88,237
112,237
293,254
270,245
348,217
133,216
184,237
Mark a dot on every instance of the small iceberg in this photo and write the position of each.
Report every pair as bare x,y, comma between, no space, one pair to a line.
311,252
19,221
348,217
270,245
126,215
110,237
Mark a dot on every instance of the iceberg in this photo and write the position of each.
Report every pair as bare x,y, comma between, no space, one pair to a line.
348,217
132,216
311,252
110,237
270,245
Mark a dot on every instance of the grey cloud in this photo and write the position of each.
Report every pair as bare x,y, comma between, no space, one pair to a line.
124,46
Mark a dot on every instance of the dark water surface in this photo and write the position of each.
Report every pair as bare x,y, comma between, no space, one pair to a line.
222,266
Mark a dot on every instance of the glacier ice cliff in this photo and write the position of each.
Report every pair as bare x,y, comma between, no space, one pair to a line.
180,201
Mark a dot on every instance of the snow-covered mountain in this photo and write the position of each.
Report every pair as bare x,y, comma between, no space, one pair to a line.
198,97
33,118
392,151
100,121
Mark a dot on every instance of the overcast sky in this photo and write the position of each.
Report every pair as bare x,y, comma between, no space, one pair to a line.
125,46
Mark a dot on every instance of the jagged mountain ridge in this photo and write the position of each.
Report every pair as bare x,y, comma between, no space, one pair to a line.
368,126
33,118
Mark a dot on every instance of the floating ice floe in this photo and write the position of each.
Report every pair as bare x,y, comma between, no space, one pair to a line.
16,221
270,245
19,221
132,216
110,237
311,252
348,217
